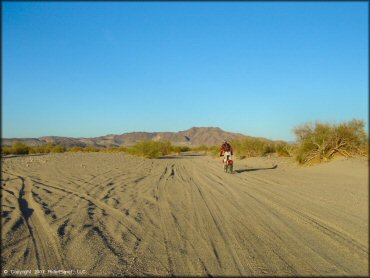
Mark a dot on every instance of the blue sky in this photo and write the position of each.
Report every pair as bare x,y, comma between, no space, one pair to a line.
88,69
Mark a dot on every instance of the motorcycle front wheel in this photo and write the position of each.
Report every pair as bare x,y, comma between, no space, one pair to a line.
230,168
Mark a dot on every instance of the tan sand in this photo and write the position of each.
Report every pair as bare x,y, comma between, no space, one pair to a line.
113,214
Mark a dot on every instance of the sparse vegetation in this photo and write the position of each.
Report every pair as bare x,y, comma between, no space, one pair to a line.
20,148
17,148
315,143
90,149
180,149
155,149
58,149
284,149
151,149
113,150
251,147
75,149
6,150
322,141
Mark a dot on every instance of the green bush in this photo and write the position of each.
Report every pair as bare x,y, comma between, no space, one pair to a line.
322,141
33,150
179,149
255,147
48,148
114,150
165,147
58,149
38,149
6,150
19,148
252,147
90,149
151,149
76,149
122,149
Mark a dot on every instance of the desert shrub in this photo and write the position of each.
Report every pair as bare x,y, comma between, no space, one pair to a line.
251,147
255,147
37,149
121,149
180,149
58,149
185,149
75,149
147,149
268,149
322,141
176,149
6,150
284,149
19,148
113,150
246,147
48,148
151,149
32,150
90,149
165,147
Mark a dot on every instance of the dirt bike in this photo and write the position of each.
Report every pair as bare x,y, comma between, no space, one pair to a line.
228,164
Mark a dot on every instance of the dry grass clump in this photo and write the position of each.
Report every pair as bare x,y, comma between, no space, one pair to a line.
322,141
284,149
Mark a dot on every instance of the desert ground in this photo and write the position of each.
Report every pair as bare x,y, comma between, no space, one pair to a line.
115,214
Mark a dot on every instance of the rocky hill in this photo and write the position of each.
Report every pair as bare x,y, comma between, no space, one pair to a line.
192,137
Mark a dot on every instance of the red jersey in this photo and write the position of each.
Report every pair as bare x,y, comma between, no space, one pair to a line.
224,147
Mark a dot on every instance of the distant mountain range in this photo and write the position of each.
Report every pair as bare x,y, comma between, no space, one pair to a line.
192,137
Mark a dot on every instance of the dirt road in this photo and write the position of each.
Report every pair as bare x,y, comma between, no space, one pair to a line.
113,214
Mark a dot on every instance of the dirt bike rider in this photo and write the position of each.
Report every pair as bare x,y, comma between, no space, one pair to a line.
226,151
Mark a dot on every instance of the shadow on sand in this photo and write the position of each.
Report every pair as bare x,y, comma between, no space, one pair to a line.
254,169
